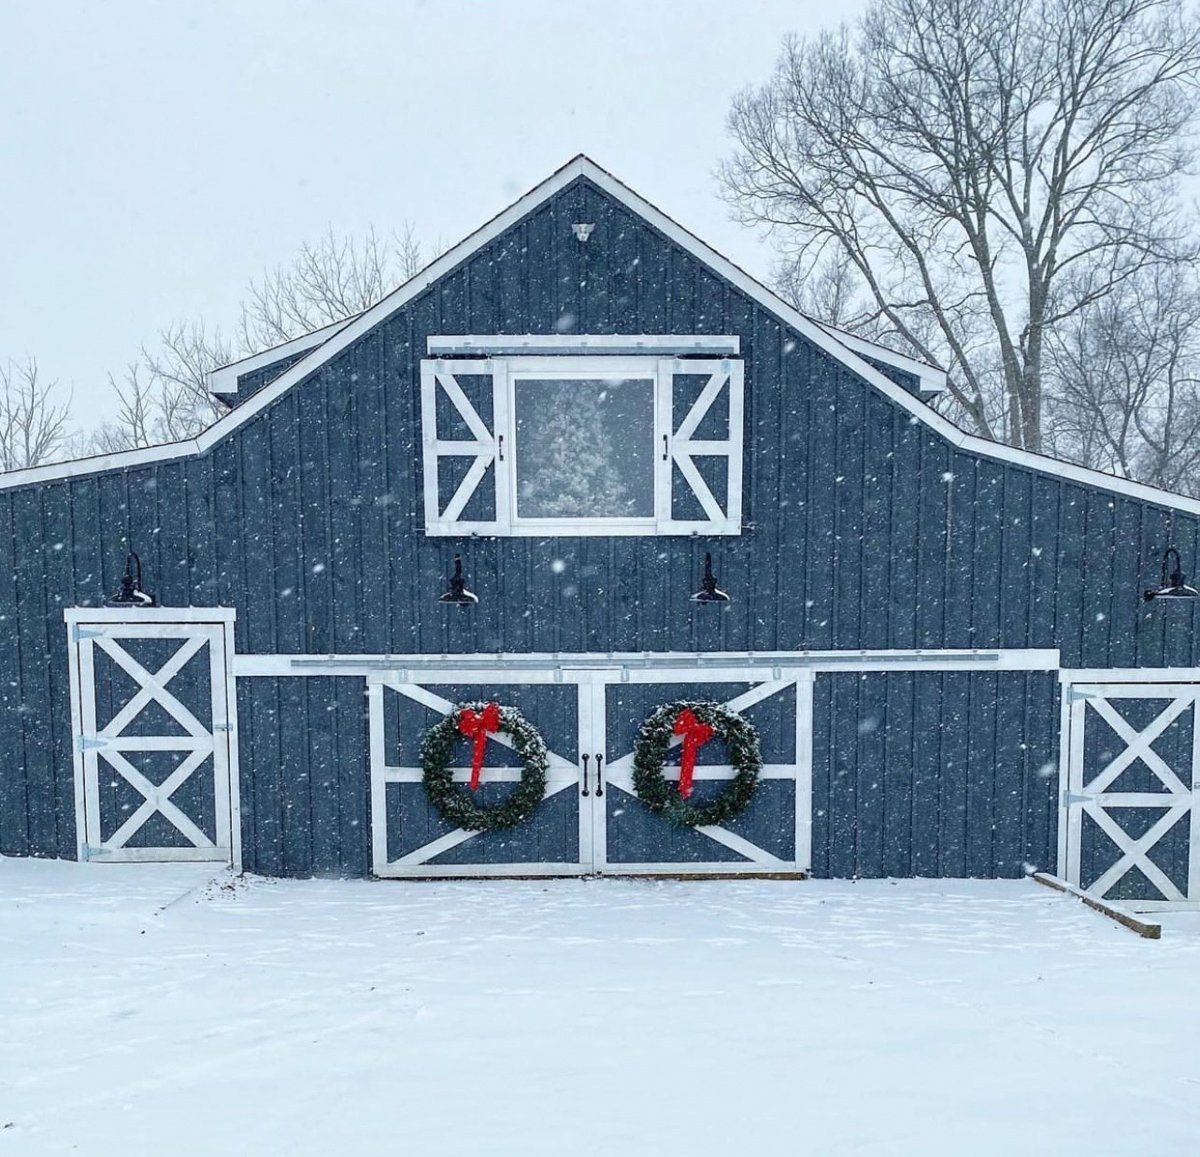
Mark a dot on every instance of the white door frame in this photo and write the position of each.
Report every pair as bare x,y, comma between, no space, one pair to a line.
1179,689
89,628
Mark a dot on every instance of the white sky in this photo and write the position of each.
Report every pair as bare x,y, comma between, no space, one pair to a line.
156,157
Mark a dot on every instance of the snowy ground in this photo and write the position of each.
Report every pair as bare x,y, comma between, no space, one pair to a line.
160,1011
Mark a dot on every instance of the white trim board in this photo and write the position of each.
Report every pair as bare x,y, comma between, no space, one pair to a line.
482,345
1129,675
137,615
930,380
224,379
837,347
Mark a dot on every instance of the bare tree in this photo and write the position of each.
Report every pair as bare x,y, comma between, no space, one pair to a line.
1126,375
331,279
163,396
33,426
830,291
137,423
988,168
177,370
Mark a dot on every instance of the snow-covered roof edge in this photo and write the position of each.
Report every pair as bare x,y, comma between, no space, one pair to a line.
224,379
582,166
930,380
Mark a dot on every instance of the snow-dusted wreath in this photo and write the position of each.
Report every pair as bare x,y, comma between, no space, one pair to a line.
695,721
475,720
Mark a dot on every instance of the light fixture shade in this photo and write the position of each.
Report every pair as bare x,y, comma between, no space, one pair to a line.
457,593
1174,585
709,592
131,593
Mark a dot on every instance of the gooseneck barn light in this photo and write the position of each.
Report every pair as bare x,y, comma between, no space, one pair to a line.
1174,585
709,592
457,593
131,593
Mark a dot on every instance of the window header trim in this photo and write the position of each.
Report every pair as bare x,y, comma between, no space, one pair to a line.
708,345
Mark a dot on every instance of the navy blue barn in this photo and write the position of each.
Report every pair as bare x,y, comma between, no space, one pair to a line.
942,642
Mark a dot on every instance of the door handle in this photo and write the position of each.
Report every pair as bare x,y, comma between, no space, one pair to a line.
599,774
585,775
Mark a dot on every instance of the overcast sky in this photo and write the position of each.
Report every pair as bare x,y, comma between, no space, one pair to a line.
156,157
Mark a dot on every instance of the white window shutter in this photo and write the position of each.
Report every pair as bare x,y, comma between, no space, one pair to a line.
446,503
714,509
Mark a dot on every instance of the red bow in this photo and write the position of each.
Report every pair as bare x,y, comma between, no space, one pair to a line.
695,736
476,725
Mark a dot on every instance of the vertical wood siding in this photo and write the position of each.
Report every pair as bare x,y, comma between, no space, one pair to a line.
863,530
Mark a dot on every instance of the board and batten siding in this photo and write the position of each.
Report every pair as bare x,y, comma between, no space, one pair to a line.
863,529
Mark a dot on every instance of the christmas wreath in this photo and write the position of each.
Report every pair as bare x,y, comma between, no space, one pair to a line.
695,722
475,721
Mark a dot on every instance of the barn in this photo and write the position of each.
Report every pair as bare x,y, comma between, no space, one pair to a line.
583,553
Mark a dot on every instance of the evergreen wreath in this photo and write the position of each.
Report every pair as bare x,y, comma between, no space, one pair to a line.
453,803
650,753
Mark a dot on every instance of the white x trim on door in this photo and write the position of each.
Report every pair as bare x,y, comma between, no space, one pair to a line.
1089,789
565,773
104,752
561,775
620,775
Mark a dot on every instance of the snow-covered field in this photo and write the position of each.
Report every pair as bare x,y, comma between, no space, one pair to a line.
164,1011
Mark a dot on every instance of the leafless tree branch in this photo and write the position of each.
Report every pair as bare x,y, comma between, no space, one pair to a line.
33,425
986,168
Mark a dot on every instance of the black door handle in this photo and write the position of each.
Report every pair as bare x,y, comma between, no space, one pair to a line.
599,772
585,775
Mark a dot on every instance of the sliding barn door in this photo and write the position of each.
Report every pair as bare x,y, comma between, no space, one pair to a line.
409,836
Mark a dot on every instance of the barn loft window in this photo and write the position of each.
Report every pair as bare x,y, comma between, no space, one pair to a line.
549,444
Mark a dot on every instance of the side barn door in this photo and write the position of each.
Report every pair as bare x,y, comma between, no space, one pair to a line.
153,714
772,836
1132,830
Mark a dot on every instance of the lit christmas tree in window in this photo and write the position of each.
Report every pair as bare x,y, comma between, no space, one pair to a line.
584,449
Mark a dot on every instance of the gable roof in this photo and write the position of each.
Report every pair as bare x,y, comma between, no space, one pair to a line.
833,342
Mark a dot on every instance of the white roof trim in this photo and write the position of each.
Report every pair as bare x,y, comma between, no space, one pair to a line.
224,379
583,167
930,380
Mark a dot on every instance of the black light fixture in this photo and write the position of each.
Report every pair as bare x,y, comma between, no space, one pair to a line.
131,593
457,592
709,592
1174,585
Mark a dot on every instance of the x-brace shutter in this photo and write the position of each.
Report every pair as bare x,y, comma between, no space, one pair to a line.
678,448
444,506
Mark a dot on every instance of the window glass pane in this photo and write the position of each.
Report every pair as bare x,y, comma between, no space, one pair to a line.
585,448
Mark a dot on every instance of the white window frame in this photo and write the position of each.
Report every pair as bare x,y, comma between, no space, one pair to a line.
577,369
493,443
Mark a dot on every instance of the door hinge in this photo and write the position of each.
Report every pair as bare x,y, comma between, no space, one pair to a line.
1071,798
86,743
222,727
